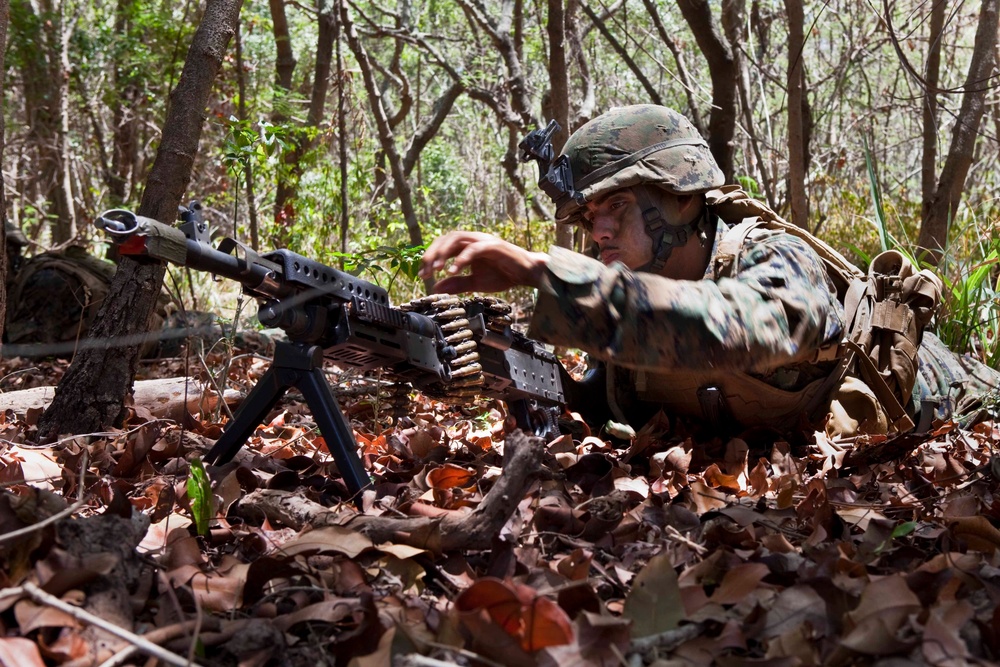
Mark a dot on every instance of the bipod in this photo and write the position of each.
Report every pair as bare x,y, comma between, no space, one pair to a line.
296,365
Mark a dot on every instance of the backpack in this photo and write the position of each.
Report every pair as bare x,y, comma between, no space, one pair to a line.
885,308
55,296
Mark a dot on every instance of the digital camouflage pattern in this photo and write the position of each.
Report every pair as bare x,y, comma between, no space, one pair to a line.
777,312
643,143
956,385
768,321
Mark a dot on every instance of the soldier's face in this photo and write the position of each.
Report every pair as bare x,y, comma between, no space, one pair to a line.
615,224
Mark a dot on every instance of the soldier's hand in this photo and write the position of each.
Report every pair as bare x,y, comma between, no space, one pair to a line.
494,265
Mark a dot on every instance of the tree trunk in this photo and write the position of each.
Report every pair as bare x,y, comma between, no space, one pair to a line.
4,17
284,66
386,138
39,42
559,93
125,147
623,53
796,126
341,131
90,396
932,73
722,69
573,34
941,212
241,82
733,26
303,140
693,113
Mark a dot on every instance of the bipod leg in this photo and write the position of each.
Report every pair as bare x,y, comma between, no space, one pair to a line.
265,394
299,366
335,429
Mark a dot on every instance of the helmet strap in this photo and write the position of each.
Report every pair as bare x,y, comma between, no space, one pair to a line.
665,237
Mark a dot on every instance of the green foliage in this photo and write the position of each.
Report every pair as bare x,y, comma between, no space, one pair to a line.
199,490
384,261
751,186
251,144
881,222
970,312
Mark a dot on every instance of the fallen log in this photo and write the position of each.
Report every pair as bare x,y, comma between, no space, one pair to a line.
165,398
454,531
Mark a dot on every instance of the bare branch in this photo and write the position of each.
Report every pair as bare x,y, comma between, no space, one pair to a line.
654,95
430,127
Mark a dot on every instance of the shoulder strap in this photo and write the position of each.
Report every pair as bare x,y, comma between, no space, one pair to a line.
735,206
728,253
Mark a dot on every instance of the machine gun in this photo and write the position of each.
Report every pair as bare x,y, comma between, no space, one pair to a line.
439,344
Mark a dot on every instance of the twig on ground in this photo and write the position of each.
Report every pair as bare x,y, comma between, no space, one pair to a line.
157,636
666,641
140,642
455,531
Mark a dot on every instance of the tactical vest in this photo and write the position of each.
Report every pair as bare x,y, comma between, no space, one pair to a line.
865,380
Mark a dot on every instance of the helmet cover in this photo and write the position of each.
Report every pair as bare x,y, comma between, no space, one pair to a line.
633,145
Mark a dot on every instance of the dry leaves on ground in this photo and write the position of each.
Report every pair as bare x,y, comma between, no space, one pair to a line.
655,551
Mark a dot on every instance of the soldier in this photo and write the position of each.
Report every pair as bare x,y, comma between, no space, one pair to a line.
16,243
53,297
697,298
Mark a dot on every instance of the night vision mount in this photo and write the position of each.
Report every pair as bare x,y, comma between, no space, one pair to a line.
555,177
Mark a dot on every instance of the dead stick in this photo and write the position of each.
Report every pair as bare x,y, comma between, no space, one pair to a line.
144,645
473,530
160,636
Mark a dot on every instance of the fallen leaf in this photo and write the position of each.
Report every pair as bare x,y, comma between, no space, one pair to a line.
19,652
328,538
739,582
654,604
535,620
975,532
886,605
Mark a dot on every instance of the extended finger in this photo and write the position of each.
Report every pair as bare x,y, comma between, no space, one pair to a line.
436,255
444,248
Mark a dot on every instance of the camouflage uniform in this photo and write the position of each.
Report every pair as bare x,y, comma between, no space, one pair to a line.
954,385
753,348
768,322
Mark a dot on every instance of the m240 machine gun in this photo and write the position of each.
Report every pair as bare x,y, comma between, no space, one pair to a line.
442,345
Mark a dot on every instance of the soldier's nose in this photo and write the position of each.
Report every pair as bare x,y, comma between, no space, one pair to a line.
603,228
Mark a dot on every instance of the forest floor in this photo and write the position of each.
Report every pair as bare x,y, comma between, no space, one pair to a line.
479,547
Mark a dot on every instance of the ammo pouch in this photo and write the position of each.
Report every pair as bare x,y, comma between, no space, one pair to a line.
885,312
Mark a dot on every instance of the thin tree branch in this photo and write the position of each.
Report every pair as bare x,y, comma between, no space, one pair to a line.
654,95
682,72
430,127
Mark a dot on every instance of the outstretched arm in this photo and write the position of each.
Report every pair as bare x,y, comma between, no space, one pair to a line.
494,265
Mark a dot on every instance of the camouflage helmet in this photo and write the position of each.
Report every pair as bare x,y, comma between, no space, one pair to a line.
15,236
635,145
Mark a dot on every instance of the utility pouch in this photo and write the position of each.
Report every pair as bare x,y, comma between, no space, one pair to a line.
885,313
885,309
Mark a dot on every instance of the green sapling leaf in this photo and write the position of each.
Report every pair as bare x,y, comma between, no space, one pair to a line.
199,488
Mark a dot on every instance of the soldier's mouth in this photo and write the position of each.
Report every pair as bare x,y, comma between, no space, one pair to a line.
609,255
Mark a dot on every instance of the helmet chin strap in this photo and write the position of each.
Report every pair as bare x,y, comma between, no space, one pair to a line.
665,237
